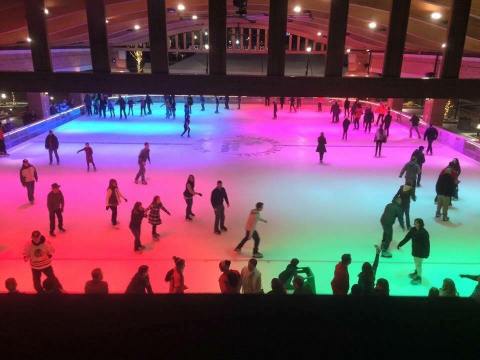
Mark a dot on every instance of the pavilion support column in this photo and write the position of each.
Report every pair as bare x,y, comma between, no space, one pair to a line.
277,27
337,32
157,30
395,104
37,32
434,111
397,34
97,34
457,31
40,104
217,33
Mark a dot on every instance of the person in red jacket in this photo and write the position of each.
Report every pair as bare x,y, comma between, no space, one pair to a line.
341,280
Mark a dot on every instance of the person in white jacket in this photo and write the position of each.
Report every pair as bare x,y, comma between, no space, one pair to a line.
251,278
28,177
251,230
39,252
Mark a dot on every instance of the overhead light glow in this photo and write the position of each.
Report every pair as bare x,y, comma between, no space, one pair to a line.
52,98
436,15
348,51
372,25
195,37
181,7
106,21
136,27
319,33
207,46
4,96
45,11
29,39
237,41
297,9
194,17
444,45
206,33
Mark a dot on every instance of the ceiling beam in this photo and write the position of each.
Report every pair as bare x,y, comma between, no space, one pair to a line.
337,31
37,32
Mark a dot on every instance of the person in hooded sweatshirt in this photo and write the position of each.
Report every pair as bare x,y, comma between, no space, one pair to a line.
392,212
88,156
411,171
406,193
230,281
341,279
28,177
140,283
39,253
420,248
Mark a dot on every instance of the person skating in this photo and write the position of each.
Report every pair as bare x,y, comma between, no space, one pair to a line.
136,218
113,199
239,102
186,125
299,103
431,134
102,106
345,125
217,104
217,199
445,188
406,193
368,119
387,121
292,104
366,278
335,111
189,103
87,100
267,100
357,115
230,281
319,104
186,110
176,278
227,101
379,139
142,161
275,109
143,107
411,171
457,170
381,110
88,156
251,278
251,230
341,279
188,195
130,103
420,248
111,108
140,283
321,146
202,102
39,253
122,104
51,144
414,121
154,218
173,106
420,157
392,212
28,177
346,107
149,102
55,205
282,102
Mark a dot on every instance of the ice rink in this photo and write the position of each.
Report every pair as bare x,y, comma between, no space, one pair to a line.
315,212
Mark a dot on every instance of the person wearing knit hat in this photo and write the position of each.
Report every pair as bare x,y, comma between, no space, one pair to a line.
175,277
230,281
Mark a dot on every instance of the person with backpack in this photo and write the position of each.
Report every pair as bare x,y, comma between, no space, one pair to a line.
230,281
51,144
154,215
28,178
88,156
286,276
431,134
176,278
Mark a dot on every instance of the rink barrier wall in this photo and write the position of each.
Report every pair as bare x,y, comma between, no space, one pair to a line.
29,131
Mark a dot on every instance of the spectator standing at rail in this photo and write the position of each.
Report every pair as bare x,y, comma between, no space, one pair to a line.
251,230
130,106
321,146
251,278
392,212
28,177
122,104
154,215
366,278
476,292
227,102
217,199
335,111
140,283
142,161
39,253
52,144
414,121
114,198
341,279
420,248
88,156
87,100
176,278
96,286
149,103
55,205
420,158
431,134
230,281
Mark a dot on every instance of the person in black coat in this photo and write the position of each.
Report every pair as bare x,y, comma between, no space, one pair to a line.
282,102
346,125
227,101
202,102
219,195
414,121
431,134
186,125
346,107
321,148
136,218
406,193
217,103
55,205
143,157
420,157
387,121
366,279
87,100
445,188
130,106
122,104
275,109
420,248
51,144
149,102
335,111
140,283
368,119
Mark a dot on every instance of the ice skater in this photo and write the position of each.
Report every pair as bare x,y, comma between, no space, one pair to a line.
122,104
217,104
251,230
368,119
111,108
321,146
299,103
227,102
114,198
381,110
142,161
420,157
87,100
379,139
28,178
275,109
387,121
420,248
186,125
445,188
202,102
431,134
130,106
154,215
3,148
335,111
292,104
414,121
88,156
267,100
357,115
136,218
217,199
411,171
149,103
188,195
392,212
52,144
189,103
55,205
346,107
282,102
346,125
406,193
143,107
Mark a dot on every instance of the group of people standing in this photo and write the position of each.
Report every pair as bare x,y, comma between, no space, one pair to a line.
98,104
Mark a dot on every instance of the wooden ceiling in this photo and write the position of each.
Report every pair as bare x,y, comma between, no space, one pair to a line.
67,23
